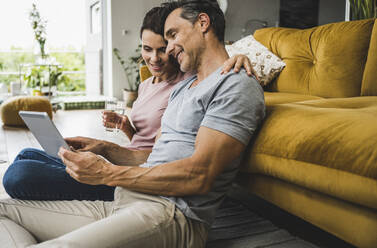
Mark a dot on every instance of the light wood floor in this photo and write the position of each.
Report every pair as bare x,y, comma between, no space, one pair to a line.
70,123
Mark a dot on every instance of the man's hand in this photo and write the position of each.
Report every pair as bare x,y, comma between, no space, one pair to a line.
87,144
236,62
85,167
112,152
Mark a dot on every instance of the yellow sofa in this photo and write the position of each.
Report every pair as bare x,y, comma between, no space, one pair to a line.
316,154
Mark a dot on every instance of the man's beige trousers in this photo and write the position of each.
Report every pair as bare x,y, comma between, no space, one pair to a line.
131,220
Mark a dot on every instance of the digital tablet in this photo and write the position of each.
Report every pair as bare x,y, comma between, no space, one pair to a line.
45,131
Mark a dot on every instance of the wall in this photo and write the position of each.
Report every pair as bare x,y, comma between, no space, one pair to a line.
122,15
331,11
240,11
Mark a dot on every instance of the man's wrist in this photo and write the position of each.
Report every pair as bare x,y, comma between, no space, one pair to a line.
113,172
109,172
107,147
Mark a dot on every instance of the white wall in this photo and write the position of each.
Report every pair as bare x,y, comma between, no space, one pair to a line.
125,15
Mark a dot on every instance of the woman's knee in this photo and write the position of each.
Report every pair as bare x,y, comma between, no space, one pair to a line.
27,153
10,182
17,175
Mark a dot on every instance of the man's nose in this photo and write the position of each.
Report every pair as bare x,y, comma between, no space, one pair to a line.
170,48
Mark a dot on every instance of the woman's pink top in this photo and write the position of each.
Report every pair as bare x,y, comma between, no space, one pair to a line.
148,109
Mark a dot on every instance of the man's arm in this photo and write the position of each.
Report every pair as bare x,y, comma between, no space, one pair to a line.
214,150
122,156
112,152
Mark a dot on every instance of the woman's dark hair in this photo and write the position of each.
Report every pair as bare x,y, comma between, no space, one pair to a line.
154,22
191,10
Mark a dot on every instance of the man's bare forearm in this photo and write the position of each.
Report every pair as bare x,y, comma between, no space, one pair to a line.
176,178
194,175
122,156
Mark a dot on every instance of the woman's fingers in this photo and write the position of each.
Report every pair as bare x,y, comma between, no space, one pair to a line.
237,62
109,124
228,65
238,65
250,70
110,119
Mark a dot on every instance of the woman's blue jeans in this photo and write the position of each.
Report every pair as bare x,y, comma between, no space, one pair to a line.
34,175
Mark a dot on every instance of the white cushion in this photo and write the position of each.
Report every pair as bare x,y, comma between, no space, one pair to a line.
266,64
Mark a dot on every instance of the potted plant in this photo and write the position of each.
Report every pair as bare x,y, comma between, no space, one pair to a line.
131,70
363,9
34,78
42,80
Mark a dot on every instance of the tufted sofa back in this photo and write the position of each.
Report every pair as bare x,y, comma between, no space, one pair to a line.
369,86
325,61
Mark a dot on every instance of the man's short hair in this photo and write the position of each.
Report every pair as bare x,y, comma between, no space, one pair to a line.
191,10
154,22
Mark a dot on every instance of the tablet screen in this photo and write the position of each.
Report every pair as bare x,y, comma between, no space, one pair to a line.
44,130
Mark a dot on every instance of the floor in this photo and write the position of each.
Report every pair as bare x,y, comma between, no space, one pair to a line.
240,222
236,226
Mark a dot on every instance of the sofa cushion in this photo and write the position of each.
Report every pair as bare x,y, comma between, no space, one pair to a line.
265,64
272,98
369,84
326,61
328,145
11,107
351,222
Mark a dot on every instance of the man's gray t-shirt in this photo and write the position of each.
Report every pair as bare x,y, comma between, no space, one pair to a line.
233,104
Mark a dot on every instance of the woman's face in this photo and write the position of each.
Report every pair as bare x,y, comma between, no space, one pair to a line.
153,53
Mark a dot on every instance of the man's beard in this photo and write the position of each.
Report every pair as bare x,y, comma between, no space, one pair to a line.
194,62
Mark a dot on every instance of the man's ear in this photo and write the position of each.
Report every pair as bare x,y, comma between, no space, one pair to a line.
204,22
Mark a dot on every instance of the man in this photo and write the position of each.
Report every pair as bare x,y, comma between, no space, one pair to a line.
169,200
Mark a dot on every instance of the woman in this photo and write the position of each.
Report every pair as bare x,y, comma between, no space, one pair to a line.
153,93
34,175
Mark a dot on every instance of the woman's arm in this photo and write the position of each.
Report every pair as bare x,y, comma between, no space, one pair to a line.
127,128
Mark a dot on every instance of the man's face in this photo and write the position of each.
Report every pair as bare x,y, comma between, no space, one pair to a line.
185,41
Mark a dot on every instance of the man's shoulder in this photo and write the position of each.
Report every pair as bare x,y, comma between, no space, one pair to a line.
240,76
240,81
